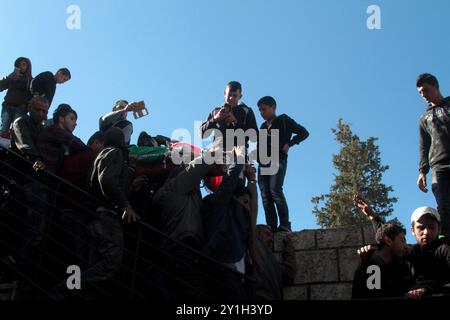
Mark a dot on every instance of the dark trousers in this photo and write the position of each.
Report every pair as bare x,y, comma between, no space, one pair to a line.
441,190
272,195
39,201
75,223
184,280
104,258
229,286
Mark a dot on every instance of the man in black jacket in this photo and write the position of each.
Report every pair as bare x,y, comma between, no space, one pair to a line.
228,118
434,141
430,257
26,130
178,203
271,184
45,83
24,141
227,223
109,183
428,260
395,276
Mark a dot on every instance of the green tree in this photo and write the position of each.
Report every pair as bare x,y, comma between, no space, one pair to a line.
359,170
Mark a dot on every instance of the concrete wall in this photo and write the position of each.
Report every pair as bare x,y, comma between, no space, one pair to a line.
326,261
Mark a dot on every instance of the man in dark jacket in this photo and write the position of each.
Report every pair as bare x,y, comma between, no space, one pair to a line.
395,277
384,270
179,203
18,94
109,183
230,117
25,133
271,184
57,141
26,130
428,260
118,118
45,83
227,218
434,141
75,202
430,257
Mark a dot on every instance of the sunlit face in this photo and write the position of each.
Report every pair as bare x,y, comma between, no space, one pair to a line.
69,122
38,112
61,78
426,230
232,97
428,92
266,111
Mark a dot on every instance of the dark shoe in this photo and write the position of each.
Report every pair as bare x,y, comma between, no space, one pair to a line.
284,229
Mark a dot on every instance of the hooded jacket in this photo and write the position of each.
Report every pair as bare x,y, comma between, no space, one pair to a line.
18,93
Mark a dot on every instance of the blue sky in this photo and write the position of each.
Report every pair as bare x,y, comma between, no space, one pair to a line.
317,58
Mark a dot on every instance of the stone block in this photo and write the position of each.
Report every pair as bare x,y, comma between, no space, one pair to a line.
340,237
316,266
338,291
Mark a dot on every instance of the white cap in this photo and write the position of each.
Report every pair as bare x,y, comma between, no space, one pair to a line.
419,212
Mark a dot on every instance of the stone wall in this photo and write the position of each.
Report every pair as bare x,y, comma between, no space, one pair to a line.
326,261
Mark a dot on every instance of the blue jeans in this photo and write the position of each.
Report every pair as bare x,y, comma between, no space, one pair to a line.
9,114
441,190
272,195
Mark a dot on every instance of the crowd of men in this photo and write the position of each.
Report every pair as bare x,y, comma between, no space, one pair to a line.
221,226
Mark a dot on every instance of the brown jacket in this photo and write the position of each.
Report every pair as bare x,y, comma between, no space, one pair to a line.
18,93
